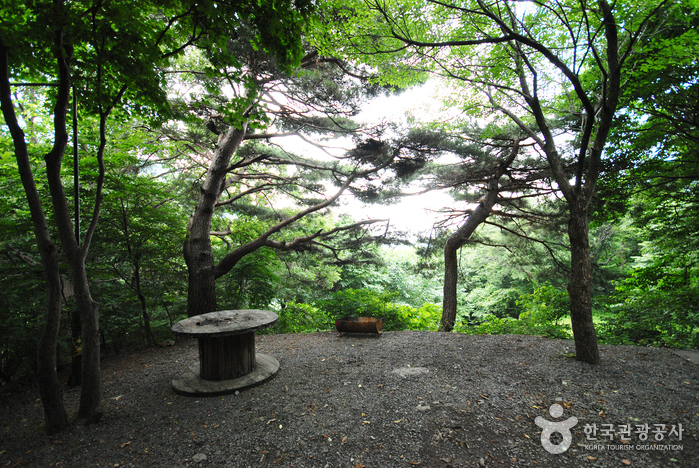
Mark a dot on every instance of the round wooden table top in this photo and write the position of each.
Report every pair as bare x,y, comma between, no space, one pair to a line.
225,322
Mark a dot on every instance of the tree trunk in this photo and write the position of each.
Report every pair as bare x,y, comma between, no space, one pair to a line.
451,274
76,361
461,236
150,339
454,243
55,415
91,381
580,287
50,389
75,255
198,254
146,320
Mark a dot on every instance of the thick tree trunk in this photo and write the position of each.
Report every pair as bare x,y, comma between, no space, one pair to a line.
55,415
580,287
198,254
201,284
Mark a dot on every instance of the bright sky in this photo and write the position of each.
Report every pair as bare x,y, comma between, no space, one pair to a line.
414,213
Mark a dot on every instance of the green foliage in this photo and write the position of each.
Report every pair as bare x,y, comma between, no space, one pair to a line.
367,303
657,313
251,284
302,318
305,318
426,317
545,304
543,310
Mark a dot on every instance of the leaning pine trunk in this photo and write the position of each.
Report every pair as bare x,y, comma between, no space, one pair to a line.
461,236
454,243
580,288
198,254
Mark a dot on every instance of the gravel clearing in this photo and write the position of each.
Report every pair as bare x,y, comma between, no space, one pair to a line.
403,399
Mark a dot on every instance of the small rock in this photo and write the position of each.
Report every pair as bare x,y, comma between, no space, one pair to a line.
481,462
409,371
422,408
199,457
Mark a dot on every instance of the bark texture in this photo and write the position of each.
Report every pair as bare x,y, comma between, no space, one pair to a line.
580,288
201,292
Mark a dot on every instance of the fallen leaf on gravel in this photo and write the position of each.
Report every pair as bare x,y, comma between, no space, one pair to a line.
397,421
484,397
271,420
344,439
625,462
591,458
125,444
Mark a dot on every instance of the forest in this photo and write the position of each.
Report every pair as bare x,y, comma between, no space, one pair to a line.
194,156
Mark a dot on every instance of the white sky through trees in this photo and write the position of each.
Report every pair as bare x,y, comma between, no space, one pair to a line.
414,213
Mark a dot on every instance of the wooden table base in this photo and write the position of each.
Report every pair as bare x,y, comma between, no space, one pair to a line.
190,383
226,357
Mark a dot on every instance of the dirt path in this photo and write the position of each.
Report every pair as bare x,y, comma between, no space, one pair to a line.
404,399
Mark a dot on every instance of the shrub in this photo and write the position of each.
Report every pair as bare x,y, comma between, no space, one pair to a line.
543,309
426,317
367,303
302,318
654,317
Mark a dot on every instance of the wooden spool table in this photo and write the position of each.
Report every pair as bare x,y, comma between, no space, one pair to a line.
227,358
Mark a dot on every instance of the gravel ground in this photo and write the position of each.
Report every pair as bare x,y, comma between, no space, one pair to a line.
402,399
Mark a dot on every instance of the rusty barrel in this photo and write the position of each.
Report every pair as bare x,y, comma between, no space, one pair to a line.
359,325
